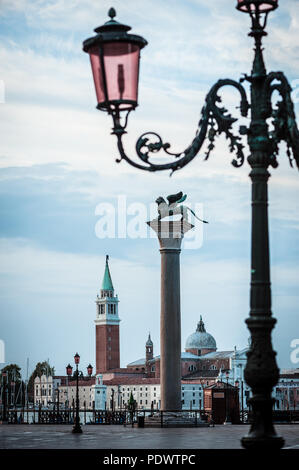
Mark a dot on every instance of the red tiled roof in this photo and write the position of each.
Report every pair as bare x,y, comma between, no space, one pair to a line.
82,383
132,381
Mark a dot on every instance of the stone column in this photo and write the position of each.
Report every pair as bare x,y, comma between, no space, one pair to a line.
170,235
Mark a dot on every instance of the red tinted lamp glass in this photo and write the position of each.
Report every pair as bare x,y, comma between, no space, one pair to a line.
69,370
121,63
263,5
89,369
77,358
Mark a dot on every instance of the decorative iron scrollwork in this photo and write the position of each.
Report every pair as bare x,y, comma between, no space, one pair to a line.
214,121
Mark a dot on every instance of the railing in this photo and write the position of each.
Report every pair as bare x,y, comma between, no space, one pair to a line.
124,417
141,417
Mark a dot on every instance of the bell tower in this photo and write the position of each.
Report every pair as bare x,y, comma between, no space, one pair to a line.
149,354
107,326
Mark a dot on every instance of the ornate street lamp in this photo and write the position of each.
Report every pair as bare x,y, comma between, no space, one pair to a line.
69,370
77,427
116,81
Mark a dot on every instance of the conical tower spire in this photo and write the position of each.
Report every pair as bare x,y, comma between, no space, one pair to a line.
149,341
107,281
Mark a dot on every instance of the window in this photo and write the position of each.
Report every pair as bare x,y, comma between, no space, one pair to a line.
141,394
193,402
193,394
146,402
154,394
182,394
140,402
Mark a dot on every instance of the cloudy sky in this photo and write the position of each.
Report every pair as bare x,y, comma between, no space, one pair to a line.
58,173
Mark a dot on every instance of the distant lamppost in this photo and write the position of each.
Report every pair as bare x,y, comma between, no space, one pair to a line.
114,56
4,397
237,383
112,399
227,407
57,392
69,371
77,427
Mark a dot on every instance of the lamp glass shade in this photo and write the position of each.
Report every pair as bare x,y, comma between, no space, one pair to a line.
121,69
77,358
262,5
89,369
69,370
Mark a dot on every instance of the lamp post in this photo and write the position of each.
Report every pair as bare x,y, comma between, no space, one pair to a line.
227,411
4,396
114,56
77,427
69,371
57,391
237,383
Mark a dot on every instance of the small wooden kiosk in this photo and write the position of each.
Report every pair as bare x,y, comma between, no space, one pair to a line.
221,401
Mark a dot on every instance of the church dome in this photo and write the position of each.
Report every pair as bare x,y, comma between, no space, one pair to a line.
200,339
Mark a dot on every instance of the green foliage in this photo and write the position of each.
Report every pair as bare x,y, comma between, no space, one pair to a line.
13,372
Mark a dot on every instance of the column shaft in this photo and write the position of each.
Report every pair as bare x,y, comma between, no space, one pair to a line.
170,330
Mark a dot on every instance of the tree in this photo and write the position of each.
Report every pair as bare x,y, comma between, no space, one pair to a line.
41,368
13,373
12,385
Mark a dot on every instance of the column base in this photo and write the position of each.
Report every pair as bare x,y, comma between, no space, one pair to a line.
77,430
262,442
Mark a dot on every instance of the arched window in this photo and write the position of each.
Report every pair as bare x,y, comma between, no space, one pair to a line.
191,368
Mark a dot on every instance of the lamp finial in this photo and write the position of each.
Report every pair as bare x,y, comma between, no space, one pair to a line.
112,13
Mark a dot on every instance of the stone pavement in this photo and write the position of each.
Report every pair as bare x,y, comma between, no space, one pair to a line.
119,437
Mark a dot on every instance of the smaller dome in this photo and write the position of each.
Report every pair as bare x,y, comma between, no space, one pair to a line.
149,341
200,339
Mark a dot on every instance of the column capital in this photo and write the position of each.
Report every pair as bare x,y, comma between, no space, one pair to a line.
170,233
